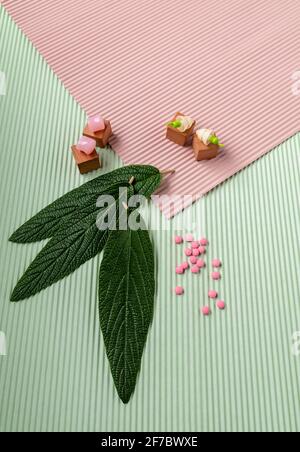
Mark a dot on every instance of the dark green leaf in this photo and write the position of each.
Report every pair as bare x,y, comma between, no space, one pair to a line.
58,219
59,215
126,299
148,186
65,252
61,256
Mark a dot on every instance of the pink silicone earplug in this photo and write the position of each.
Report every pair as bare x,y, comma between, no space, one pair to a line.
220,304
86,145
195,269
202,249
203,241
205,310
179,290
196,252
96,123
216,263
216,275
178,239
188,252
200,263
212,293
195,244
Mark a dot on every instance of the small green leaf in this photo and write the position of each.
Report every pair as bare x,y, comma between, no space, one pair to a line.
59,215
126,299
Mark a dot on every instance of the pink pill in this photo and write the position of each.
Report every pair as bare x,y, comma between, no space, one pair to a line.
196,252
200,263
179,270
220,304
185,265
189,237
179,290
188,252
216,263
206,310
203,241
212,293
202,249
195,244
216,275
195,269
178,239
193,259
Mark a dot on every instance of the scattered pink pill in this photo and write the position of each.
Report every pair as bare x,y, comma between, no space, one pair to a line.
178,239
200,263
179,290
185,265
179,270
193,259
216,263
220,304
216,275
212,293
189,238
203,241
195,269
195,244
202,249
206,310
196,252
188,252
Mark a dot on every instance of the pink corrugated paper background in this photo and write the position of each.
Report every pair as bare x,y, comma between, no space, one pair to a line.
227,63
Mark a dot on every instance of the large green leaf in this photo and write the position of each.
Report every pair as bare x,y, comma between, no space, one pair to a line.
60,218
126,299
61,256
59,215
67,251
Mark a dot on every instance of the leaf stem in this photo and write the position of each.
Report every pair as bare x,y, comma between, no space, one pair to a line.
166,172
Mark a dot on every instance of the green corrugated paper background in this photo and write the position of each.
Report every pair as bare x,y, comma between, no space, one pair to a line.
234,371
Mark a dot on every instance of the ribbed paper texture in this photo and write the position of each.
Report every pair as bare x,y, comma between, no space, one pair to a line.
232,371
228,64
